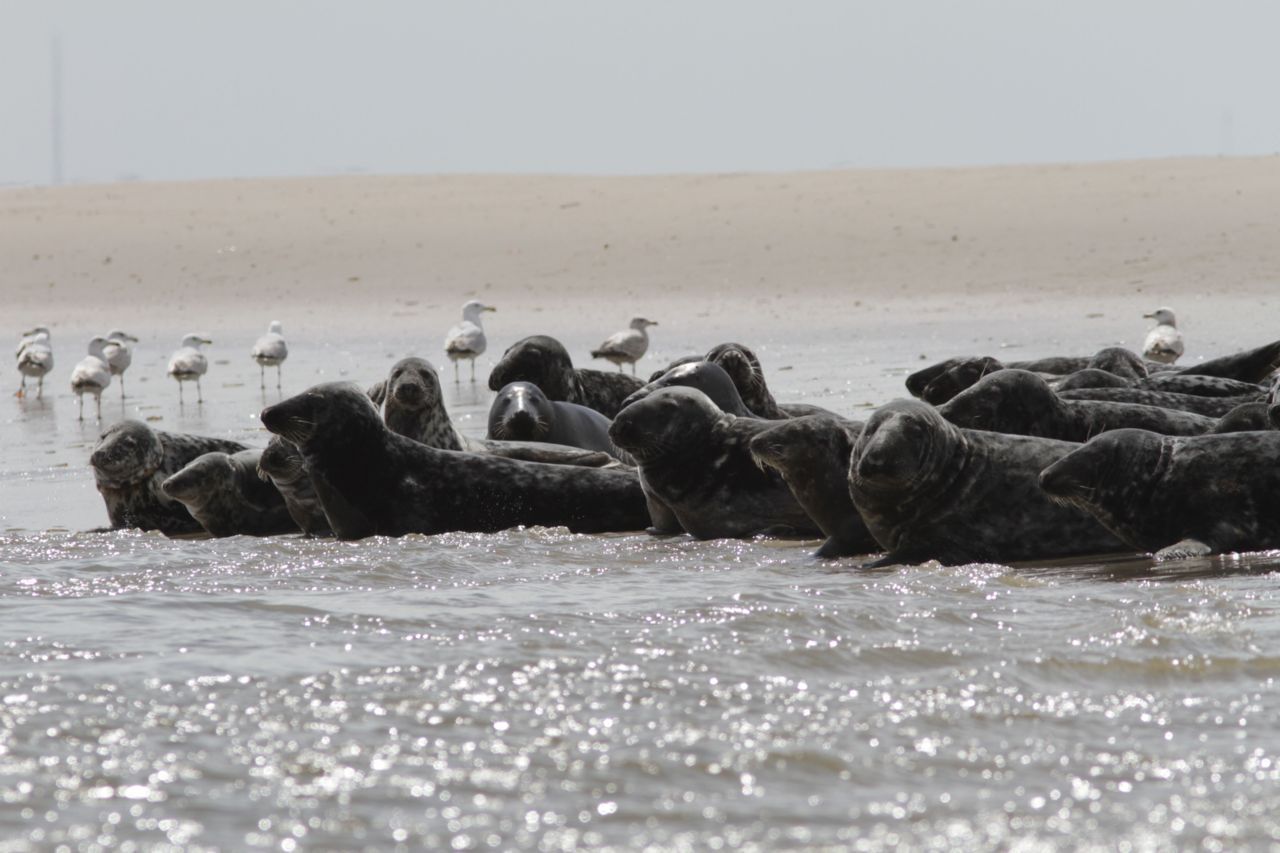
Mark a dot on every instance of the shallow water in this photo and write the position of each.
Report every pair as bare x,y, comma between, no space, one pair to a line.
539,689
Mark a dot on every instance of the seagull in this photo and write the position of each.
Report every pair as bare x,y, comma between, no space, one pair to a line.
92,375
35,358
628,346
1164,342
466,340
118,354
270,350
189,363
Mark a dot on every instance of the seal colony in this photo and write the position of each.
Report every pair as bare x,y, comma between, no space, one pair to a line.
1054,457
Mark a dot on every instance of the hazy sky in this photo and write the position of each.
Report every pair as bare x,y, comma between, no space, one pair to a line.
159,89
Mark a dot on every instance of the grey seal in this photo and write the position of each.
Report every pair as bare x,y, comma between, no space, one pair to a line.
1021,403
412,404
282,463
131,460
1177,496
697,470
521,412
1213,407
708,377
744,369
224,493
372,481
929,490
544,361
812,455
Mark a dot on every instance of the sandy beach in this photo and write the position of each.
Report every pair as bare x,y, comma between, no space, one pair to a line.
709,255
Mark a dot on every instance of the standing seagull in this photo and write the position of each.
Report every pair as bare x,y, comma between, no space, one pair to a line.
466,340
35,359
92,375
628,346
119,354
1164,342
189,363
270,350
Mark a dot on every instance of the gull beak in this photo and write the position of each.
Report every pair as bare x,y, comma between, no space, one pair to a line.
1149,316
205,341
489,308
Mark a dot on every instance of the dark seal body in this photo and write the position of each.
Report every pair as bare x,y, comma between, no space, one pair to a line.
282,462
224,493
743,367
1021,403
697,470
1211,407
812,455
929,490
521,412
545,362
1190,496
372,481
131,460
707,377
413,405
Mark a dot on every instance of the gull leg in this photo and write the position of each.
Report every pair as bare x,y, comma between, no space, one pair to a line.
456,380
179,392
97,401
22,389
80,397
121,386
262,375
473,370
199,393
40,389
278,380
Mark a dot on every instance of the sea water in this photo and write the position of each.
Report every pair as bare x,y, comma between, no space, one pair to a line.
539,689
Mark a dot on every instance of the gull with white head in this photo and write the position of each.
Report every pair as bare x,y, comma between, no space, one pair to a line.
35,358
91,375
271,350
189,363
118,354
627,346
1164,342
466,340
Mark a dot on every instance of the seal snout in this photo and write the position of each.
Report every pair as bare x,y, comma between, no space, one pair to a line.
410,393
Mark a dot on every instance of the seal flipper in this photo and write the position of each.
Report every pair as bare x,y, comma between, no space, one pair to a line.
538,451
664,519
1187,549
837,546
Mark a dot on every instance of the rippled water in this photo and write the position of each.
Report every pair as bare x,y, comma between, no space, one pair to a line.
540,689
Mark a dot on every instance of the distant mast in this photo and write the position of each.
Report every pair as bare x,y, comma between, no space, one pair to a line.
55,129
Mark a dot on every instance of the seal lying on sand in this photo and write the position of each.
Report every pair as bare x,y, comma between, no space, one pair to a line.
707,377
1213,407
812,455
748,376
283,464
521,412
929,490
223,492
371,480
412,404
1021,403
544,361
1179,497
131,460
697,471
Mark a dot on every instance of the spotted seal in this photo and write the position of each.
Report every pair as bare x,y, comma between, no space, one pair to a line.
1021,403
373,481
1213,407
131,460
708,377
282,463
744,369
812,455
697,470
929,490
545,362
521,412
224,493
1176,496
412,404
